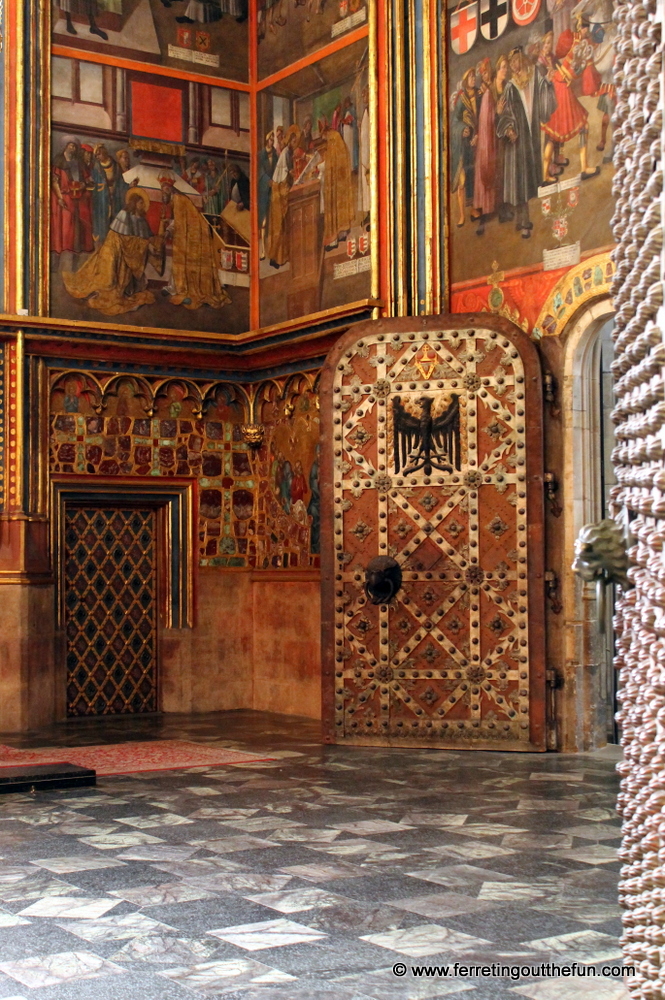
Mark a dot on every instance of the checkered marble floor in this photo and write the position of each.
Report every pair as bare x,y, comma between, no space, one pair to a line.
308,877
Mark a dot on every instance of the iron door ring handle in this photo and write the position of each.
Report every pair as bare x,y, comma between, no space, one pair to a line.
383,579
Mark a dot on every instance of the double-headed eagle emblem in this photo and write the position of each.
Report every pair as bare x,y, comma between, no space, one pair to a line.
426,442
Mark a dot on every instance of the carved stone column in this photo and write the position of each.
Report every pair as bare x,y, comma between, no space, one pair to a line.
639,369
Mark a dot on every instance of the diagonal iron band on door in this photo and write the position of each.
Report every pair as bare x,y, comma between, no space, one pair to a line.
433,458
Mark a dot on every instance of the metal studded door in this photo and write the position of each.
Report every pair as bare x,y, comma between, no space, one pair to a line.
432,458
110,610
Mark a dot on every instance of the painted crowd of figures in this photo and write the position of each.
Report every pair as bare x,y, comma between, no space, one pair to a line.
333,156
101,211
511,119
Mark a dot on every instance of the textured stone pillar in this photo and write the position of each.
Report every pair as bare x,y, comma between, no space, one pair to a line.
639,370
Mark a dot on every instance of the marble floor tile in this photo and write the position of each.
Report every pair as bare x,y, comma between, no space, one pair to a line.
470,850
434,819
528,804
130,925
595,831
491,830
604,881
513,892
198,866
11,919
300,990
336,800
50,817
325,872
162,895
267,934
256,824
163,949
35,888
103,797
230,844
589,910
353,917
597,814
537,841
60,969
82,829
382,984
343,846
587,947
564,776
459,876
214,979
221,812
159,852
111,841
369,826
155,819
591,854
11,874
306,834
63,866
240,881
424,940
78,908
574,989
355,846
442,904
296,900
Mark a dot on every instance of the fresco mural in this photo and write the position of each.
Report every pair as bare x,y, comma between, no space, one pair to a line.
291,475
154,230
205,36
314,188
288,31
258,507
531,98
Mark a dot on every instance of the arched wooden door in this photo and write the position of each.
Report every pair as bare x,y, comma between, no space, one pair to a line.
432,455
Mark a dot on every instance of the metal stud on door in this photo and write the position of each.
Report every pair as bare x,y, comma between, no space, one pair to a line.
433,471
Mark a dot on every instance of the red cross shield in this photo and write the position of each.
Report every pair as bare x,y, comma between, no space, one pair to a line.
463,28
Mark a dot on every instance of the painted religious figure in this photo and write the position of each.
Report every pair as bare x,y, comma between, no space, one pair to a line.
315,195
292,503
148,226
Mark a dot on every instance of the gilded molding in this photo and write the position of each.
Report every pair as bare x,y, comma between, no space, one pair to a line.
588,280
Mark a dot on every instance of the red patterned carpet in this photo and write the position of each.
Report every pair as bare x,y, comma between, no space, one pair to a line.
127,758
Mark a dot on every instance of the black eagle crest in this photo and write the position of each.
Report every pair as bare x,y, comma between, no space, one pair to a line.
426,442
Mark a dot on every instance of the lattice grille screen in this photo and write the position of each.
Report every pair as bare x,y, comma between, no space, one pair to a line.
110,611
640,496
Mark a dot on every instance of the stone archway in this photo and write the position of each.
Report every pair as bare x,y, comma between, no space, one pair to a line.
587,664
